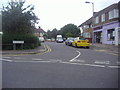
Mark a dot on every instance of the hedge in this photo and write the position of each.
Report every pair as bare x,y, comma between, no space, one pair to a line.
30,41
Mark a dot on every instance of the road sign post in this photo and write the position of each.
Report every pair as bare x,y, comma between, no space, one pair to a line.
18,42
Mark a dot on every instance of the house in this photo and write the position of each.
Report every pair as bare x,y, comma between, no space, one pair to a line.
39,32
105,22
87,29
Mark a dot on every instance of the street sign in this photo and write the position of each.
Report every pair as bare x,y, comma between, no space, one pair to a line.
18,42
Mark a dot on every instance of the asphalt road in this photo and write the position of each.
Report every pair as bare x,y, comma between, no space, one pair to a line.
61,67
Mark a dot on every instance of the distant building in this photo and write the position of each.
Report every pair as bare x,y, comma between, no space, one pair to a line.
105,22
87,29
39,32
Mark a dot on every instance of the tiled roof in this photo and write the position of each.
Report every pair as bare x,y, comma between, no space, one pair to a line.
40,30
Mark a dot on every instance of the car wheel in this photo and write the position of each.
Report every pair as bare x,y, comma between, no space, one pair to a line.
76,45
87,47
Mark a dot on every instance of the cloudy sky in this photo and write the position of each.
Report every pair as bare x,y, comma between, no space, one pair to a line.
57,13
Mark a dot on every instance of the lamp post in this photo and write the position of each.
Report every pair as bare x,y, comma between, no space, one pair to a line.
92,21
1,21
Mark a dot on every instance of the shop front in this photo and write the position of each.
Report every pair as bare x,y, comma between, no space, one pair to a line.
109,33
98,34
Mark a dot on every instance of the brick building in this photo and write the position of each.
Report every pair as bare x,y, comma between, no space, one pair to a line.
105,22
39,32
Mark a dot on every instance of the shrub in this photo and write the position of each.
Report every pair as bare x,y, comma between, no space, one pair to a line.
30,41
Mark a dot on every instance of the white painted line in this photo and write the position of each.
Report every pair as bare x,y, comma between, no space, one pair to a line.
31,61
82,61
7,60
56,60
79,53
94,65
36,59
114,66
102,62
65,62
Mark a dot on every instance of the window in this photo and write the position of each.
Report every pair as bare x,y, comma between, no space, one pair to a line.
111,34
96,20
102,17
86,35
113,14
86,26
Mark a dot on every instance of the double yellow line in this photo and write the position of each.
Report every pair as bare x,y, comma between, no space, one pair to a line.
46,49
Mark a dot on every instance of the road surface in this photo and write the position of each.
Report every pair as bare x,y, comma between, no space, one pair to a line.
61,67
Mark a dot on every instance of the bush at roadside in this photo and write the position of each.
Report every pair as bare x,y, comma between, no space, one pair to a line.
30,41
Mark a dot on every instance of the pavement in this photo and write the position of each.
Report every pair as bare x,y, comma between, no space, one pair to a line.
43,48
105,47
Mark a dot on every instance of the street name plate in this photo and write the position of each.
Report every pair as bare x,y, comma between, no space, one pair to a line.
18,42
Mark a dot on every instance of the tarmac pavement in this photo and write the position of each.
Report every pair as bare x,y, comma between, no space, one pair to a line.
106,47
40,49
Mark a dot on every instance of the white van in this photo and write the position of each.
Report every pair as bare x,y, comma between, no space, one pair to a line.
59,39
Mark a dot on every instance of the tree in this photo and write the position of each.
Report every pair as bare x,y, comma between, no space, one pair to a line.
54,33
70,30
68,35
17,19
18,23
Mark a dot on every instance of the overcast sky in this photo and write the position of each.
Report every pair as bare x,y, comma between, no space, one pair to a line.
57,13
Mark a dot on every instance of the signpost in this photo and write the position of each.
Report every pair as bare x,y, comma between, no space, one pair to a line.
18,42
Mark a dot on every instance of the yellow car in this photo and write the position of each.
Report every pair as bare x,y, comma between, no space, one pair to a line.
81,43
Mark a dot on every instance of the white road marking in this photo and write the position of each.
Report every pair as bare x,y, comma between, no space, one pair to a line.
7,60
77,60
30,61
84,64
36,59
102,62
94,65
114,66
79,53
56,60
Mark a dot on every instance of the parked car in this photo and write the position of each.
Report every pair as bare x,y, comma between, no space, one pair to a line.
81,43
69,41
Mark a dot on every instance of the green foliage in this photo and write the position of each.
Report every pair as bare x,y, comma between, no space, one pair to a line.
16,19
30,41
70,30
68,35
18,23
52,34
